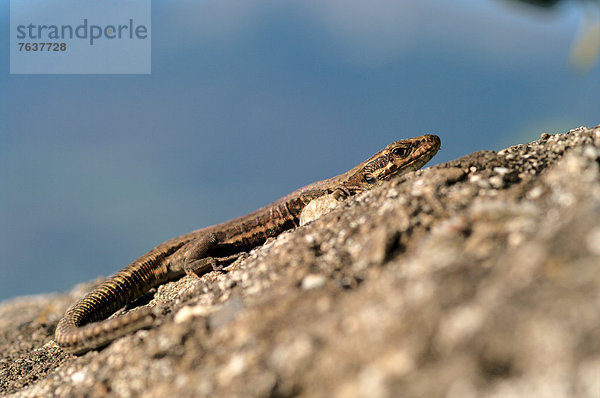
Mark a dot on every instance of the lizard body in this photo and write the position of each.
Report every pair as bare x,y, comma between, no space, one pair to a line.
84,326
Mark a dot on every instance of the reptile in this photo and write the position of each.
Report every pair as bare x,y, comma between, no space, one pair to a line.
85,325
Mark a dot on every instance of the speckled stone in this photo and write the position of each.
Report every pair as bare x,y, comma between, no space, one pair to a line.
479,277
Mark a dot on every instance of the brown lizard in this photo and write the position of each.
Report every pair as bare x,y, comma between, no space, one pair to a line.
85,327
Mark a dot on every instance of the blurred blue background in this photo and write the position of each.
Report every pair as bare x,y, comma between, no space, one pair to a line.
249,100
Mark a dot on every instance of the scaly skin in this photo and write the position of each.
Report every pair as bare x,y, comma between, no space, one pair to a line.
84,325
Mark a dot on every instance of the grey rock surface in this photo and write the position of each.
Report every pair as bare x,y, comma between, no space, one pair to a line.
475,278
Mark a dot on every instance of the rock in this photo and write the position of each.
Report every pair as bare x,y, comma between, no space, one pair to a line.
479,277
317,208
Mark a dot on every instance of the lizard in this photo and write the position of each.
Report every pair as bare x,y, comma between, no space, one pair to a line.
85,325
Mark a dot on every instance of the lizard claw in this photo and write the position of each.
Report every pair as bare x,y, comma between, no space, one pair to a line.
201,266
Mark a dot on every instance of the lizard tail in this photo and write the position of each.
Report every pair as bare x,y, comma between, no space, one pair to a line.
79,339
85,327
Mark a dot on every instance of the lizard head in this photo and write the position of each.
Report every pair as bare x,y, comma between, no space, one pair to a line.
398,158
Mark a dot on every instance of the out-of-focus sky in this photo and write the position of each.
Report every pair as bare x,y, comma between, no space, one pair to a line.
249,100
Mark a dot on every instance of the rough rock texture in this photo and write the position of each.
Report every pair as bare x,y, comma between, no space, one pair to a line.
476,278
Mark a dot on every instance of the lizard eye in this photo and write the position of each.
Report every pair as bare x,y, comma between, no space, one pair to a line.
401,152
370,179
